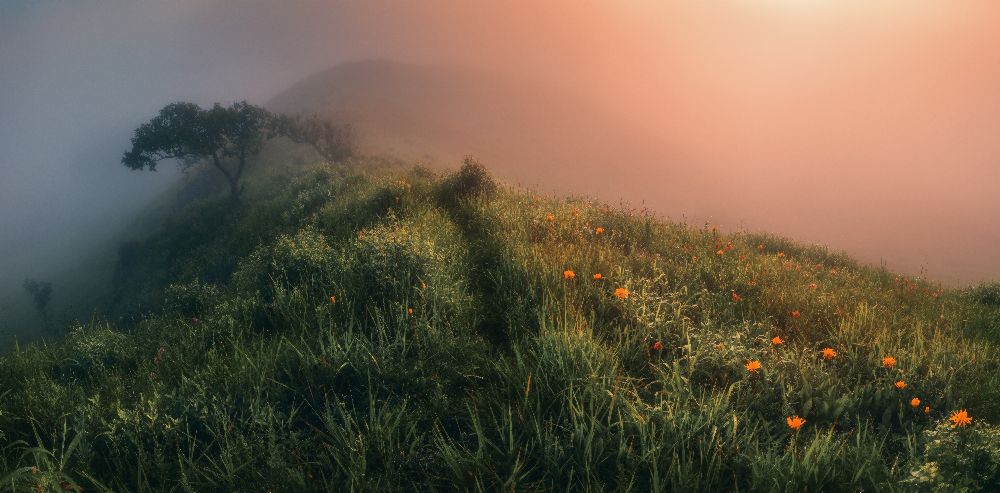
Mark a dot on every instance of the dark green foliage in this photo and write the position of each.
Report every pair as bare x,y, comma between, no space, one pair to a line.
471,180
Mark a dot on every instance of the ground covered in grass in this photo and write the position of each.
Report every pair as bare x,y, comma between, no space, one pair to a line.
358,328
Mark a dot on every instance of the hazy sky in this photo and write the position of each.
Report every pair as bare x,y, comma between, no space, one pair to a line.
870,125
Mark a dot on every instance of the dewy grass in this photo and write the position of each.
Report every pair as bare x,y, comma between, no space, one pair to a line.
379,328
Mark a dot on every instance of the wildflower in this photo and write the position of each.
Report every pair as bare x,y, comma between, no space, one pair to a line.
550,217
658,345
760,246
736,297
753,365
423,285
900,384
598,276
961,419
568,274
34,469
333,300
888,361
719,346
915,403
720,252
812,286
729,246
796,314
781,254
743,257
694,258
752,282
599,230
795,422
829,353
927,409
621,293
160,354
777,341
409,311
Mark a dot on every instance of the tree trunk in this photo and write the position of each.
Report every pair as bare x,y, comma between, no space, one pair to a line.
234,180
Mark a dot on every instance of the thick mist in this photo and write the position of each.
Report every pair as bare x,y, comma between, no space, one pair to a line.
870,126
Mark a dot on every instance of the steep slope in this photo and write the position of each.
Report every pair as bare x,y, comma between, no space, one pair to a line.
381,328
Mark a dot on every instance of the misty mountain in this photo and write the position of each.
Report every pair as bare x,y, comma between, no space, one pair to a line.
528,132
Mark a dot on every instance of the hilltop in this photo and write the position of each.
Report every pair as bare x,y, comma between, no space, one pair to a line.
530,133
376,325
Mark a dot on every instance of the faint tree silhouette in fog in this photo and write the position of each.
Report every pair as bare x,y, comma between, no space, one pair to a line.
332,141
41,294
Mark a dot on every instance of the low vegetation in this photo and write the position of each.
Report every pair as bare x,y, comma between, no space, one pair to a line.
364,327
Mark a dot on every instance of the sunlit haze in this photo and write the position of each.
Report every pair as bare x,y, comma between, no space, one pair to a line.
870,126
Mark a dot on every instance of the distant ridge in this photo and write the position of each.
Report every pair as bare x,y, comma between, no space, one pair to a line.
527,132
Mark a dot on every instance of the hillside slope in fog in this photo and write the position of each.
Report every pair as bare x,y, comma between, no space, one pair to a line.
529,133
879,203
373,326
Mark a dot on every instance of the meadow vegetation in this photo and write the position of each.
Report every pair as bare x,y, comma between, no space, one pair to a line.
375,326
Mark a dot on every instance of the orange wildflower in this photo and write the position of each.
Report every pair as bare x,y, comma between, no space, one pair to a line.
423,285
409,311
720,252
777,341
333,300
914,402
598,276
550,217
796,314
781,254
621,293
736,297
795,422
888,361
599,230
812,286
961,419
829,353
568,274
658,345
927,409
753,365
900,384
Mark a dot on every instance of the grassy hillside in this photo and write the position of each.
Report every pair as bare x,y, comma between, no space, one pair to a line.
375,327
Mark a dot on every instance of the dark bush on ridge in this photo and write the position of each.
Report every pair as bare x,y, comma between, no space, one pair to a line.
473,179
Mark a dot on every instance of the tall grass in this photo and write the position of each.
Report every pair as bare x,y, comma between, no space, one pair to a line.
392,329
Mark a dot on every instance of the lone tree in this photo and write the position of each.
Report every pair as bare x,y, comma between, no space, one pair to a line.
226,137
41,294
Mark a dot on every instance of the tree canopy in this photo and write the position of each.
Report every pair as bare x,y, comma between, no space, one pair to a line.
225,136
